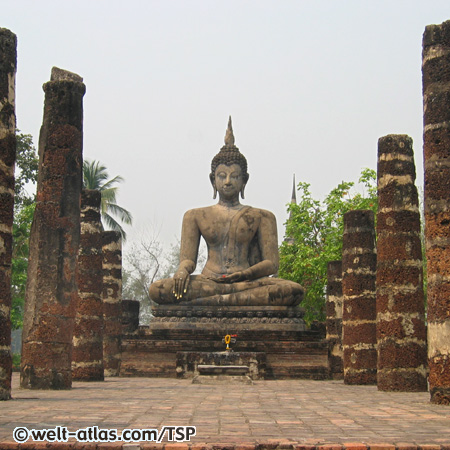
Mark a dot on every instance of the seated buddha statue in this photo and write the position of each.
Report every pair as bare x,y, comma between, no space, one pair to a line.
241,242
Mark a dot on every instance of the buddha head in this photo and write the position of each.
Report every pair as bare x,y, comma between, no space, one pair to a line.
229,155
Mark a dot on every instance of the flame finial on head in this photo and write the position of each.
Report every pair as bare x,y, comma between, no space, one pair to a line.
229,136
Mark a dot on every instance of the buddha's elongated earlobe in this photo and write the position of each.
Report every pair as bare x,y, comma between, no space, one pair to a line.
242,191
213,182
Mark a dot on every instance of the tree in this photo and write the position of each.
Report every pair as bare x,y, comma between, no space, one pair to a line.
26,172
24,205
315,232
19,268
95,176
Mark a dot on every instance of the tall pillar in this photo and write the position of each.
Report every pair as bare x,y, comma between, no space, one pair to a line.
87,356
359,262
401,331
436,100
334,318
51,290
8,58
112,298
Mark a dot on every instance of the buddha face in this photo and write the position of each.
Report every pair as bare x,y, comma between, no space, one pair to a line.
229,181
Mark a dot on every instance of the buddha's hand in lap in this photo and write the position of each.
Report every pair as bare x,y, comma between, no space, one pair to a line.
181,282
231,278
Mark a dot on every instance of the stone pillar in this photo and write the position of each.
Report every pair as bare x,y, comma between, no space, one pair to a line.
334,318
112,298
8,58
401,331
436,99
51,291
359,262
87,356
130,316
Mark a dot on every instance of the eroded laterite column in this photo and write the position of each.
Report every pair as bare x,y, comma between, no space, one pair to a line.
8,58
436,99
112,298
87,356
51,291
334,318
359,262
401,331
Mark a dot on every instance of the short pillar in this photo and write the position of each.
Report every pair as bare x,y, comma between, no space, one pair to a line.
401,332
87,353
51,290
8,57
436,136
334,318
359,262
112,298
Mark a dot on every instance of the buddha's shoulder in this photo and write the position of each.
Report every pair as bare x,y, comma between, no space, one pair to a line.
197,212
262,213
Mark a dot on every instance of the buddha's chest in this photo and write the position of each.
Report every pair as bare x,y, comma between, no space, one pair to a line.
223,229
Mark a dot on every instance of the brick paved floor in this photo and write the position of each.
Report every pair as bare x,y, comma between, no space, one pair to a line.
304,411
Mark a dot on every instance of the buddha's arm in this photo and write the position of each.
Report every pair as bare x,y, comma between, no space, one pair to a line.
190,239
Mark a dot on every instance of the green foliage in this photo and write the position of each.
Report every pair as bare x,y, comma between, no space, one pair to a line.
24,203
16,357
95,176
21,236
315,230
26,169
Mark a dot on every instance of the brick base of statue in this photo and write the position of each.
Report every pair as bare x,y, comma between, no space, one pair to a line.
292,351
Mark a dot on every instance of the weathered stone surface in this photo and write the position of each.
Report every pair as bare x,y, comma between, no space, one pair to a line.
334,318
436,99
401,333
130,316
112,299
51,291
359,298
8,59
87,353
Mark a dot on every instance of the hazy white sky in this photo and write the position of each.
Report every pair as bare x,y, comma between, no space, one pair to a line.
311,86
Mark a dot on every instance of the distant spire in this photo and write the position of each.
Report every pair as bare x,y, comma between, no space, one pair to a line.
229,137
294,193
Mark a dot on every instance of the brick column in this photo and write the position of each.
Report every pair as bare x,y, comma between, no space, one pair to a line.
51,291
401,332
112,298
8,57
436,99
87,356
334,318
359,262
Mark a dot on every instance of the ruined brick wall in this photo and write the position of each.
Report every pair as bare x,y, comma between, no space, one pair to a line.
51,290
436,100
401,332
112,298
87,356
334,318
359,262
8,61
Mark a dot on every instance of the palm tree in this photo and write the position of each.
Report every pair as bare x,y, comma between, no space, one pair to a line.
95,176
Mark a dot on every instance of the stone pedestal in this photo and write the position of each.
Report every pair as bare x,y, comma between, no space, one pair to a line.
51,290
291,350
436,137
188,362
8,52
